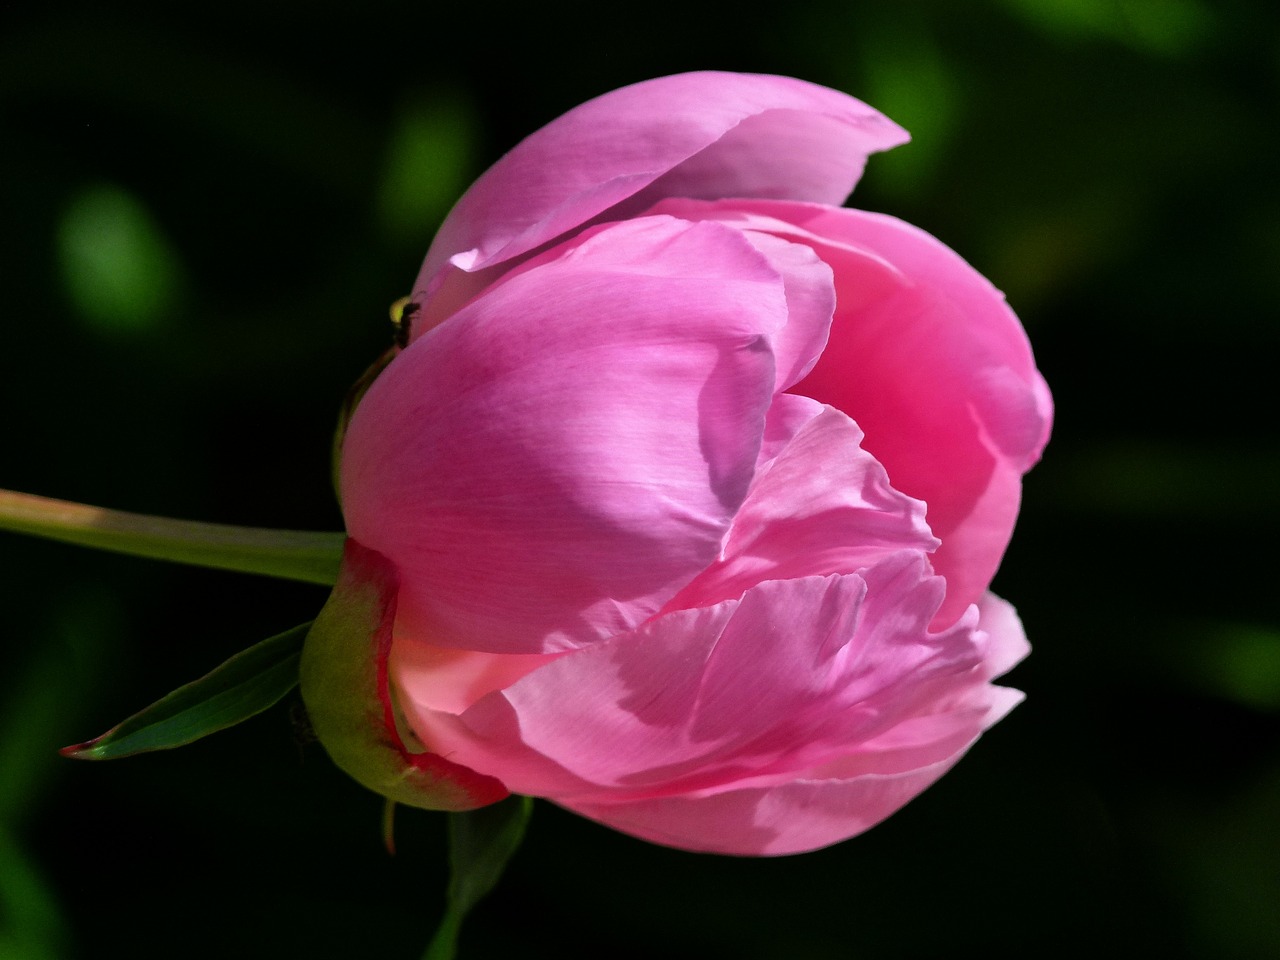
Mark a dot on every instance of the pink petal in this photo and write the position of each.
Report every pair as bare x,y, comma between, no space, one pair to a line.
823,505
793,817
551,465
811,303
796,674
844,797
929,360
946,390
787,417
799,333
1006,641
450,680
950,723
705,135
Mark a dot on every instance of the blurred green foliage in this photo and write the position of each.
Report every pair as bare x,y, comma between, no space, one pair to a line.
117,269
429,156
204,214
1169,27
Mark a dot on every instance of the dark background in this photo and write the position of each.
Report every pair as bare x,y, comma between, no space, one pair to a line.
203,219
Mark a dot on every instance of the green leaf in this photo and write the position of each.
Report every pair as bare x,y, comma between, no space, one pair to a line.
305,555
481,842
242,687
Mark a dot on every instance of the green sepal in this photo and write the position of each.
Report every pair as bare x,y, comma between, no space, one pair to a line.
349,703
240,688
481,842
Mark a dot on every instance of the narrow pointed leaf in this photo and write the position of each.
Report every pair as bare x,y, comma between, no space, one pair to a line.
240,688
309,556
481,842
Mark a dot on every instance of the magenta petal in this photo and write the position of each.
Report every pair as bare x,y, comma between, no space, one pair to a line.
944,385
933,365
551,465
946,391
704,135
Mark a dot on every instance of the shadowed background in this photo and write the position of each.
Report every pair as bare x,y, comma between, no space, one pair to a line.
203,219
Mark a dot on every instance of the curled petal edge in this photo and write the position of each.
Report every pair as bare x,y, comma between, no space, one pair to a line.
706,134
343,676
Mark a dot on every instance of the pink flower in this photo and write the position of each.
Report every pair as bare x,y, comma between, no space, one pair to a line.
691,482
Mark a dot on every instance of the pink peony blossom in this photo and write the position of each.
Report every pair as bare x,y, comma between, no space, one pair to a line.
690,483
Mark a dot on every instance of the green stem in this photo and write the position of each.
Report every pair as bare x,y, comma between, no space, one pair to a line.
312,557
480,844
444,945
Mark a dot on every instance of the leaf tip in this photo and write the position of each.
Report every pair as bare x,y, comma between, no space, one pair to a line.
82,751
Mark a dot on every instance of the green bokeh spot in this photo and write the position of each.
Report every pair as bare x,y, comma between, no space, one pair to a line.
429,163
118,269
1165,27
1244,663
909,80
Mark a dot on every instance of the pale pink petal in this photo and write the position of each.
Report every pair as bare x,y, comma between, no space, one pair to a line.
1006,640
929,360
793,676
551,465
787,416
793,817
449,680
846,796
705,135
823,505
951,722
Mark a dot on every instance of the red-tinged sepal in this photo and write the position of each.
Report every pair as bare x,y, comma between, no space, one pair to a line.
344,684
